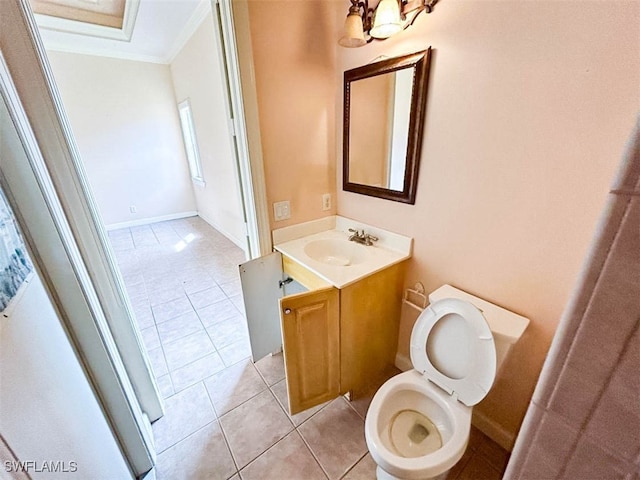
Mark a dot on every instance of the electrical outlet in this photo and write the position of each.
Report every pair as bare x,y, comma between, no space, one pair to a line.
281,210
326,201
133,209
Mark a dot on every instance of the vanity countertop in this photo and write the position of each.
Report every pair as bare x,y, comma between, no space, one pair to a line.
323,247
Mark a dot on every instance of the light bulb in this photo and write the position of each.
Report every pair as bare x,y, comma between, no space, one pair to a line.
354,32
386,21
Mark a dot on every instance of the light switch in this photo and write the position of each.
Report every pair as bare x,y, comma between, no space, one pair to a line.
281,210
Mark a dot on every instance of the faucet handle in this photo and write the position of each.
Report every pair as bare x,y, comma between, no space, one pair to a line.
372,238
353,230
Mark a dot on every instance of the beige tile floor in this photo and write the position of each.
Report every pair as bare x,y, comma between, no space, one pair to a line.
227,418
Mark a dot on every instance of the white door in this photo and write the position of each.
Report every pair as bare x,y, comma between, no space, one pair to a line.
232,22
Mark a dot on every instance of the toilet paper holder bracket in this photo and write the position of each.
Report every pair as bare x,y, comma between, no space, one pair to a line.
416,297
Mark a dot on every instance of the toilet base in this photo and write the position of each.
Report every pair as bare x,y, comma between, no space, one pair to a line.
382,475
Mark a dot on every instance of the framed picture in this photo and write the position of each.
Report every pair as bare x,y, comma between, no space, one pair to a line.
15,264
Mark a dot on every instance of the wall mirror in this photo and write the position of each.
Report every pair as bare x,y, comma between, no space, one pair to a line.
384,108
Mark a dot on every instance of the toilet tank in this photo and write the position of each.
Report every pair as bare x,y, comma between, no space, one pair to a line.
507,327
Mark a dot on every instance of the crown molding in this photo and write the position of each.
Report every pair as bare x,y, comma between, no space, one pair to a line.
195,20
82,28
203,9
80,50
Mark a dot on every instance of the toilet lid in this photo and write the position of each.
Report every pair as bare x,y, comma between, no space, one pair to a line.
452,346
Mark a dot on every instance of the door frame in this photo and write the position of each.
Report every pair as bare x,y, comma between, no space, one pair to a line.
232,28
124,384
80,273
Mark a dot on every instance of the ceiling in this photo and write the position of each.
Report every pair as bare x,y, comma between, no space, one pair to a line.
108,13
144,30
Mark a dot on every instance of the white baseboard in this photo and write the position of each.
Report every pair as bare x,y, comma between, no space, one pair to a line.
494,431
487,426
146,221
240,242
403,362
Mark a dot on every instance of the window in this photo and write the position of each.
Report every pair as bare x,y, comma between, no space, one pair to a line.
190,143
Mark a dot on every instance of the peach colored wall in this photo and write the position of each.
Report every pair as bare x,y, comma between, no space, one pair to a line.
369,123
528,110
294,65
196,73
584,417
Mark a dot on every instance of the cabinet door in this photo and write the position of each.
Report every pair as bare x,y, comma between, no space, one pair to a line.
311,334
260,279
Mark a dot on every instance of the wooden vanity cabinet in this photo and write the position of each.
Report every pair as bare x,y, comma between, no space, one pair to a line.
335,341
369,324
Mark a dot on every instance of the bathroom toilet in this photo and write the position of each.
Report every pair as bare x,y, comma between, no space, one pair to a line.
417,426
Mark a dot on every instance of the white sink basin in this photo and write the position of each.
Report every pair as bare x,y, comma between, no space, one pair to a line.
322,246
335,251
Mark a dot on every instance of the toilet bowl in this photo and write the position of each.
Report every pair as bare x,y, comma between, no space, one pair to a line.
417,426
410,392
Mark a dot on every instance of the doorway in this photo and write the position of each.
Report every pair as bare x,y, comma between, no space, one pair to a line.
86,227
161,136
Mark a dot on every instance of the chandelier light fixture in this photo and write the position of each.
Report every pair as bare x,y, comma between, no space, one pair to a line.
363,23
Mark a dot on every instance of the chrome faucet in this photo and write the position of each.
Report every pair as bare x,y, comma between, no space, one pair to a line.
361,237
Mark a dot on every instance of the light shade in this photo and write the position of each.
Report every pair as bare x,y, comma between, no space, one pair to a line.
386,21
353,31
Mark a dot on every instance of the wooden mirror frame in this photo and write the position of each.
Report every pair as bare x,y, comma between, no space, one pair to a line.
420,63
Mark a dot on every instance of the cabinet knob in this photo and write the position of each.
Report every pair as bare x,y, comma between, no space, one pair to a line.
287,311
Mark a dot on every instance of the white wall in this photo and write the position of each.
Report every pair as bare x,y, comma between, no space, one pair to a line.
125,120
197,75
48,412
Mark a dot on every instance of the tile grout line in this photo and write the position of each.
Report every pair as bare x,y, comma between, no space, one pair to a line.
162,344
273,397
196,430
203,327
185,438
155,325
144,262
270,448
200,358
241,403
355,464
313,454
224,434
349,402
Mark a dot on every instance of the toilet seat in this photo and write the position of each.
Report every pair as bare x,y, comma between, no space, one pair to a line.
452,346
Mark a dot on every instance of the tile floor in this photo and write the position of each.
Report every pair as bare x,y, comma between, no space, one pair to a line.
227,418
